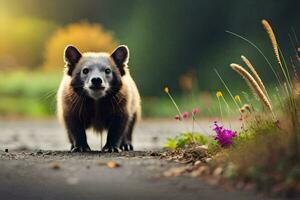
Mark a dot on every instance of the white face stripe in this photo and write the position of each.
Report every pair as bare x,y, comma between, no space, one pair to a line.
96,63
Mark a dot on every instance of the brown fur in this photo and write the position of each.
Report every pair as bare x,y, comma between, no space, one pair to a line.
116,112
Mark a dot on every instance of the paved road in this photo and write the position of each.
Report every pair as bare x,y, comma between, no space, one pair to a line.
49,135
29,174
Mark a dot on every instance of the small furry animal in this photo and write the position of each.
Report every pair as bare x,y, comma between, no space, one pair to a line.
98,92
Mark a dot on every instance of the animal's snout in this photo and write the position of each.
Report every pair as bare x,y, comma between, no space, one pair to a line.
96,83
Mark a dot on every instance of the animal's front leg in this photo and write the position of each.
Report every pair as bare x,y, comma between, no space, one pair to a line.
115,134
76,131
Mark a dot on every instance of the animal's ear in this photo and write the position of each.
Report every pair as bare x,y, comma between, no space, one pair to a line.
121,55
71,56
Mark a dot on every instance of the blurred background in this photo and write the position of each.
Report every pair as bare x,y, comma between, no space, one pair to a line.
173,43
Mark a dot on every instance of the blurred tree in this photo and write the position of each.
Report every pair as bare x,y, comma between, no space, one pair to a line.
168,38
22,40
83,35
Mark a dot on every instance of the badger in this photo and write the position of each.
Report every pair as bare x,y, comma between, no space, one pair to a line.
98,92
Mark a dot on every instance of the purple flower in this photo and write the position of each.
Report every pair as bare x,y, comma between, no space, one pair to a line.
224,136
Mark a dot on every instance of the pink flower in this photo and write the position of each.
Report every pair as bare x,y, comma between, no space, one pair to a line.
177,117
195,111
185,115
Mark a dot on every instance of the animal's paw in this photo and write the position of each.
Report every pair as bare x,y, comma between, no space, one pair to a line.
83,148
111,149
127,146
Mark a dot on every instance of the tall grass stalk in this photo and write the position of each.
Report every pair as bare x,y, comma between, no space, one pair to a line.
260,51
220,107
286,70
173,101
293,107
255,74
257,91
223,82
228,109
279,55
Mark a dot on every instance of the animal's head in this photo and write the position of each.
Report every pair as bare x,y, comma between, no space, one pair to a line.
96,75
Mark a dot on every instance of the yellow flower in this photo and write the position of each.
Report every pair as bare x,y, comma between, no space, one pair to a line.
166,89
219,94
237,98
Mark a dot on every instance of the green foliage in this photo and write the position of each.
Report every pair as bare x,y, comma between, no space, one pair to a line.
171,143
257,127
29,84
185,139
30,94
162,106
214,147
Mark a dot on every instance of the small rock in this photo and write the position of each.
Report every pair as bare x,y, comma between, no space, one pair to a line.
204,147
196,173
6,150
218,171
198,162
175,171
112,164
55,166
39,152
203,170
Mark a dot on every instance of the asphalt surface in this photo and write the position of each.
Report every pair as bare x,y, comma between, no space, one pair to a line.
29,173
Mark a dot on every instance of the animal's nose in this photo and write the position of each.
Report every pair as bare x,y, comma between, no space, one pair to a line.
96,81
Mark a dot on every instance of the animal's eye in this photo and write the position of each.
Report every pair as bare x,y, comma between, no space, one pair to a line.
107,71
85,71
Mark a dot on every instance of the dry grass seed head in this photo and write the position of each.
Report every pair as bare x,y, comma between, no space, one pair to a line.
255,74
272,37
253,85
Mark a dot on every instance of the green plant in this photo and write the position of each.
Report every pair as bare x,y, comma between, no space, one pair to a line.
186,139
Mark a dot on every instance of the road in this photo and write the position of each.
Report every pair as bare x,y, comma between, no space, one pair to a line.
53,173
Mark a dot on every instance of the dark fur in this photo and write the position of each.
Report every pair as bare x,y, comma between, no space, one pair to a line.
80,112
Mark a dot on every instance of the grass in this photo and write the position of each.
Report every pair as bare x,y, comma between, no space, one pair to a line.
32,94
265,152
28,94
161,107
